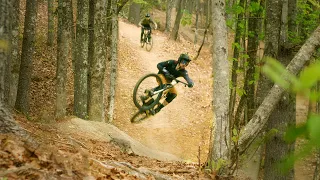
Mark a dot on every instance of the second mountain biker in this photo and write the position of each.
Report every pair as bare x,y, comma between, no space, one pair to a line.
145,24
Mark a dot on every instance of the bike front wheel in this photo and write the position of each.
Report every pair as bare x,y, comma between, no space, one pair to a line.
149,44
143,40
143,87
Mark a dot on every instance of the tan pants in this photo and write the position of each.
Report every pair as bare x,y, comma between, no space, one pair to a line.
171,90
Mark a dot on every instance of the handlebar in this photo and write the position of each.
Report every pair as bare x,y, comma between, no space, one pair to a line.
178,81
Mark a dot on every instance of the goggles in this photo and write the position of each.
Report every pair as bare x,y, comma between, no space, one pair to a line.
185,61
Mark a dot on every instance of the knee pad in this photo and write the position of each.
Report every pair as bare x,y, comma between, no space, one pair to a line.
170,97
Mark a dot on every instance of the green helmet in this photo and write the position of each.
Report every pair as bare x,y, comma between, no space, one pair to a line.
147,15
184,58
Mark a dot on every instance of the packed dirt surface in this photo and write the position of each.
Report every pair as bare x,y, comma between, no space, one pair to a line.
183,125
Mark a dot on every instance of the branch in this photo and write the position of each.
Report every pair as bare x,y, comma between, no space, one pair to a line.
204,37
120,6
261,116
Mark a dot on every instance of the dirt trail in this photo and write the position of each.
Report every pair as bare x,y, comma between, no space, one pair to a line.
181,126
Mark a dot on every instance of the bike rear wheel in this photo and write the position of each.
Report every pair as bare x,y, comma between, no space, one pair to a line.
142,88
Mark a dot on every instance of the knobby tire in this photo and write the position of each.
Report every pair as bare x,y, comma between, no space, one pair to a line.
136,88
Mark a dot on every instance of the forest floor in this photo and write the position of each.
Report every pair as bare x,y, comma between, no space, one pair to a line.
77,149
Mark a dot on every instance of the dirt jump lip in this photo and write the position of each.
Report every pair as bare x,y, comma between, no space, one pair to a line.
107,132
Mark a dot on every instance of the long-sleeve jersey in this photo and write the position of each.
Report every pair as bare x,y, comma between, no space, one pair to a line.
170,66
146,23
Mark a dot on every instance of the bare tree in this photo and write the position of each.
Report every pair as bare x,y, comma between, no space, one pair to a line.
50,35
98,64
12,72
22,101
197,22
134,13
175,30
284,113
62,55
5,26
81,61
292,10
219,148
170,4
253,43
7,123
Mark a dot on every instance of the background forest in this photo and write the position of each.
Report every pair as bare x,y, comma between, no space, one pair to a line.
68,68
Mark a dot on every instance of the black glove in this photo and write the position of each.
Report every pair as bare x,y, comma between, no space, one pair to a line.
190,85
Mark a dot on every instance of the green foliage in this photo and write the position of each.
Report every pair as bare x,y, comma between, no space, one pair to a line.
236,10
237,45
303,84
235,135
307,19
309,131
140,1
314,3
186,18
217,166
307,79
277,72
240,91
255,7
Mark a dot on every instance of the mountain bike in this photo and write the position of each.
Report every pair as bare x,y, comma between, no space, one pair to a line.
153,91
147,39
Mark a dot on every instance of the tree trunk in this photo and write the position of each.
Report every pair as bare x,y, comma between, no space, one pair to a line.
235,66
91,45
196,23
114,61
230,16
260,118
292,10
134,13
62,58
22,101
284,112
98,65
284,23
72,29
5,26
14,56
81,61
170,4
10,36
50,35
316,174
175,30
219,148
253,43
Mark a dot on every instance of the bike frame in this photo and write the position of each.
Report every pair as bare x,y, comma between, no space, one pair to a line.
168,86
164,90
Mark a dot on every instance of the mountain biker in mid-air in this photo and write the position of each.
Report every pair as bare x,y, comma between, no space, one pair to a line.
169,70
145,24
